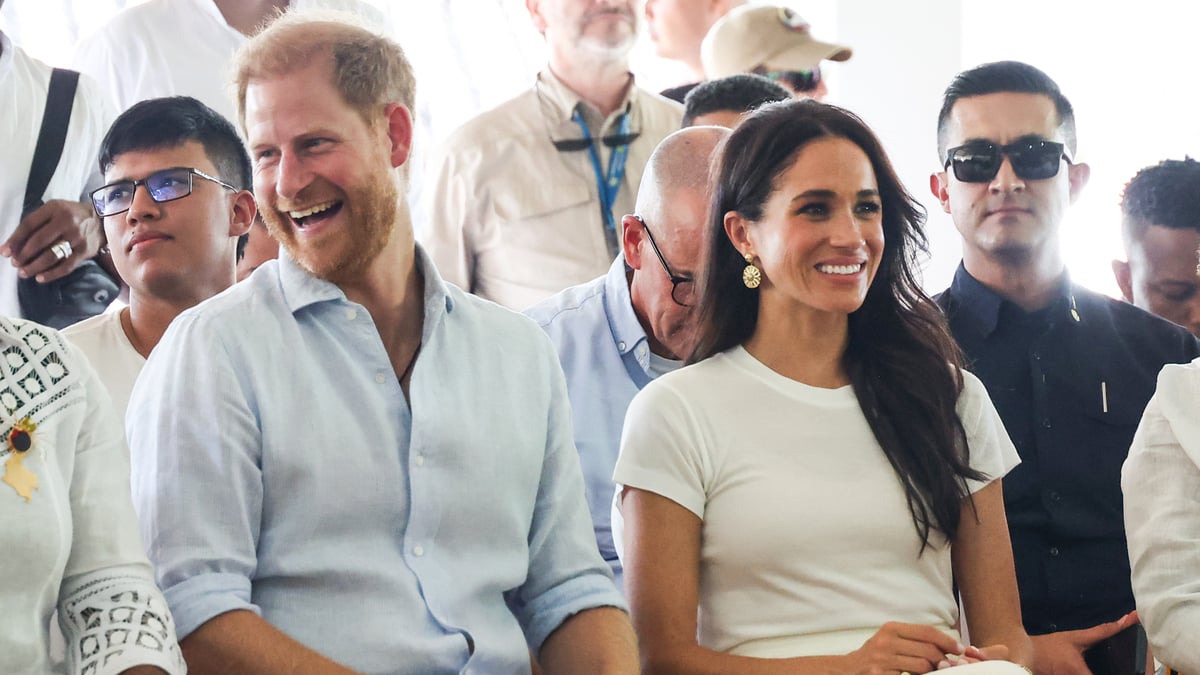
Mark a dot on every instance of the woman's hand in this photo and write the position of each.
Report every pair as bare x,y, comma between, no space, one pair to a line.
906,648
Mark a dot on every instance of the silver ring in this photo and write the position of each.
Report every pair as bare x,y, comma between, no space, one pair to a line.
62,250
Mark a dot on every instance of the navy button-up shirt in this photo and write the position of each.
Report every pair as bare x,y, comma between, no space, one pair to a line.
1070,382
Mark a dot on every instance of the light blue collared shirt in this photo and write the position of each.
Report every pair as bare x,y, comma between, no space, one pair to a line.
606,356
278,470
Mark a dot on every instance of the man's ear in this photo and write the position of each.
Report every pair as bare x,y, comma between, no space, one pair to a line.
937,185
242,213
399,131
534,7
1078,175
1120,270
633,232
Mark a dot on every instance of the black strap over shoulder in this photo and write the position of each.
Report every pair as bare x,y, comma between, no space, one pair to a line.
53,136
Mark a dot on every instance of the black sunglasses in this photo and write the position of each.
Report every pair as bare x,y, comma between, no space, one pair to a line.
1032,159
682,288
798,80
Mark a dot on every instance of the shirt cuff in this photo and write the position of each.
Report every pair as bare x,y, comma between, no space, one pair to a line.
551,609
197,600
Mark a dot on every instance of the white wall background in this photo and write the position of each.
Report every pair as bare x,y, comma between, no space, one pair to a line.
1128,68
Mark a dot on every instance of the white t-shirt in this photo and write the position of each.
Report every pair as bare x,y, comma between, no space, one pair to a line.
24,82
178,47
103,341
808,546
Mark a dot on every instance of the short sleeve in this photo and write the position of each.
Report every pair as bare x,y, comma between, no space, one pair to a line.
663,450
991,450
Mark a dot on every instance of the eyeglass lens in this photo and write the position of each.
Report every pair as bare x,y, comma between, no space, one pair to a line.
163,186
1031,160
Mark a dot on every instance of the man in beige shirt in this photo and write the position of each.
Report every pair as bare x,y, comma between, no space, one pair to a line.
525,199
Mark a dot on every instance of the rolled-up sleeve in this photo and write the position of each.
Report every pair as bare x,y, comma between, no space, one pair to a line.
1161,485
567,575
197,479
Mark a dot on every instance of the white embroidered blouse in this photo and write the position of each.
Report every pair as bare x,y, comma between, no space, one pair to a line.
73,544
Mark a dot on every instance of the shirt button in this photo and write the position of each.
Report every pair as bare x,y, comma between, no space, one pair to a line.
380,378
418,551
1046,423
351,314
420,460
1037,356
1054,551
1055,497
1053,627
621,346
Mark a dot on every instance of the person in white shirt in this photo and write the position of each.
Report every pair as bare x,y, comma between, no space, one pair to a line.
184,47
176,203
67,525
1161,484
526,199
804,496
51,241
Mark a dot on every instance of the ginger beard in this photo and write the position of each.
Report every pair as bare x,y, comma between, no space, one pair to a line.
368,212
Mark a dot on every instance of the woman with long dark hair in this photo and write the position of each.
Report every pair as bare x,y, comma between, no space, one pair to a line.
803,497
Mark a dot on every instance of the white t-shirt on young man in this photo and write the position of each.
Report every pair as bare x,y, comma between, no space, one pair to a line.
808,545
102,339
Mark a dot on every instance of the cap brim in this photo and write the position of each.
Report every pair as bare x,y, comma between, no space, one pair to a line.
807,55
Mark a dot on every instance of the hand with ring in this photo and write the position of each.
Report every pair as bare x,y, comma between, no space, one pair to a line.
51,241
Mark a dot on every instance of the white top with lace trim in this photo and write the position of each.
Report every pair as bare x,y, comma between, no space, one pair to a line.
73,545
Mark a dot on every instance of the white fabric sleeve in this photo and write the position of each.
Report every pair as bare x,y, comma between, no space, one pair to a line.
1161,484
446,206
112,615
663,450
991,450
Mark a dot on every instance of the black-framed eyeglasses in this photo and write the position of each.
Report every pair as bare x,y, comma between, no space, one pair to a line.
798,80
164,185
682,288
1032,159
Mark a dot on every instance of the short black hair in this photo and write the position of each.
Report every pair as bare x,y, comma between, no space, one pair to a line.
736,93
1166,194
1005,77
174,120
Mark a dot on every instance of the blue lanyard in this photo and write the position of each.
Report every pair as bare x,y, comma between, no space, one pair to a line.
608,183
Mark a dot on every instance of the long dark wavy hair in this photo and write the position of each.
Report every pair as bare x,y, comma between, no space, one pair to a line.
903,363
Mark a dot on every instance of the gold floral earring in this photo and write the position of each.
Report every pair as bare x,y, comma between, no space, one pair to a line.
751,275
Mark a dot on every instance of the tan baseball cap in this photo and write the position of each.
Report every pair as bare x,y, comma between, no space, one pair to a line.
772,36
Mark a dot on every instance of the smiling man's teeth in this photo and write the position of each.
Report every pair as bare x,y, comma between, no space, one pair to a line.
312,210
839,269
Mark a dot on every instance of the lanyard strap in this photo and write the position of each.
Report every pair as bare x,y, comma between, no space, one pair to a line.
608,183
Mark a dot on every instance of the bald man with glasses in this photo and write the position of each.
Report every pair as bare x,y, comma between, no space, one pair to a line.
618,332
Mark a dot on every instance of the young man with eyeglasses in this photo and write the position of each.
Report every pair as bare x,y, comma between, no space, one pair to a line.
526,199
772,41
175,203
1069,370
618,332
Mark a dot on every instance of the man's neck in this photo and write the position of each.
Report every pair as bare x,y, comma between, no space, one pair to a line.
1031,284
246,16
601,83
146,318
392,289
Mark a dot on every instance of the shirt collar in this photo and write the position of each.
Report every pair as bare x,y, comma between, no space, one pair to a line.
626,330
981,305
301,289
562,100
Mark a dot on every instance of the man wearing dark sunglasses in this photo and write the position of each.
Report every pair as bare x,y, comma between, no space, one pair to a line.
618,332
526,199
1068,369
176,201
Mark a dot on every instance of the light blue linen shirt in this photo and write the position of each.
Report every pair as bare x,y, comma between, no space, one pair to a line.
278,470
606,357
